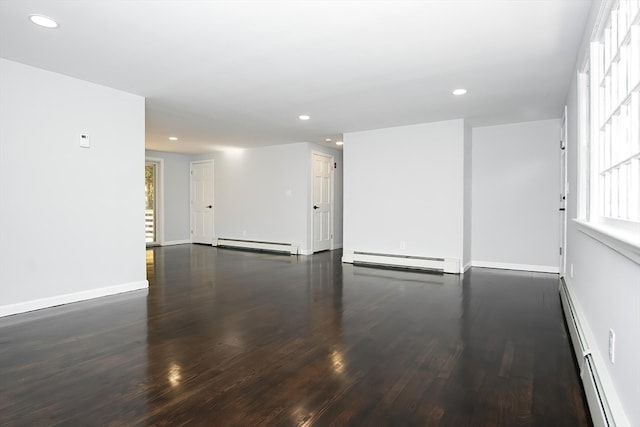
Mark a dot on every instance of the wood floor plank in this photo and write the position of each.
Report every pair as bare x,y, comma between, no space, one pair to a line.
231,338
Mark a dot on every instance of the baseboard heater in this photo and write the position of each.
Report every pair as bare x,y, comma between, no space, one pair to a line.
289,248
443,265
602,412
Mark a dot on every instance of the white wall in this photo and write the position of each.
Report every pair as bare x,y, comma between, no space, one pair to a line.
264,193
71,218
606,287
252,190
516,189
405,184
175,194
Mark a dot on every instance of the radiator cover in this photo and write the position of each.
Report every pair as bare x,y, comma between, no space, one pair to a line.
290,248
444,265
604,405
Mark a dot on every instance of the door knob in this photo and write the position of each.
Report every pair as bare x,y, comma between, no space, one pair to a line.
315,207
209,207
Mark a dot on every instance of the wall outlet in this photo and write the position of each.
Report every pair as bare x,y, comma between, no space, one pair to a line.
403,245
84,140
244,232
612,346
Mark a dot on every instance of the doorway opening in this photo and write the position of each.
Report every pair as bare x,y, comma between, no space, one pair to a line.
153,211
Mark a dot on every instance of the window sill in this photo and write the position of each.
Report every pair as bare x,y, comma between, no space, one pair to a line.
626,243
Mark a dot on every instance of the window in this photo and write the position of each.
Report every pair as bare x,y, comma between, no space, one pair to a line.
609,94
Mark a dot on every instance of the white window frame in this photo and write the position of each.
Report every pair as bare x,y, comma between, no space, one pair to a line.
609,130
584,141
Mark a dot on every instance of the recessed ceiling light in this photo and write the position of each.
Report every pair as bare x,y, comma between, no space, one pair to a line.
459,91
173,138
43,21
339,143
328,140
304,117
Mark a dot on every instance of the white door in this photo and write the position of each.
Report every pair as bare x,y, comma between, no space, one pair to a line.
322,201
202,202
564,190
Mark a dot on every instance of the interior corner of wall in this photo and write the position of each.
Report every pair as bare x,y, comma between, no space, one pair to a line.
347,256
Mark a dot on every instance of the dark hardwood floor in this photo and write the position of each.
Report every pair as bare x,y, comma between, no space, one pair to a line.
229,338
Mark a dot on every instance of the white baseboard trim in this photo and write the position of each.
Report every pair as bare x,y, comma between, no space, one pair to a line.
602,399
521,267
38,304
336,246
175,242
466,267
310,251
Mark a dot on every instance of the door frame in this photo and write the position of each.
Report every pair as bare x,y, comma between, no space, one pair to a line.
331,199
159,190
564,193
213,229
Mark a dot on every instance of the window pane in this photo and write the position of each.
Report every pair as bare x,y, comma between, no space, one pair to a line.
606,148
614,189
634,190
623,194
606,190
634,118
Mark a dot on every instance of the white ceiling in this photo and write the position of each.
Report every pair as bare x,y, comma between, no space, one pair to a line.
220,74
